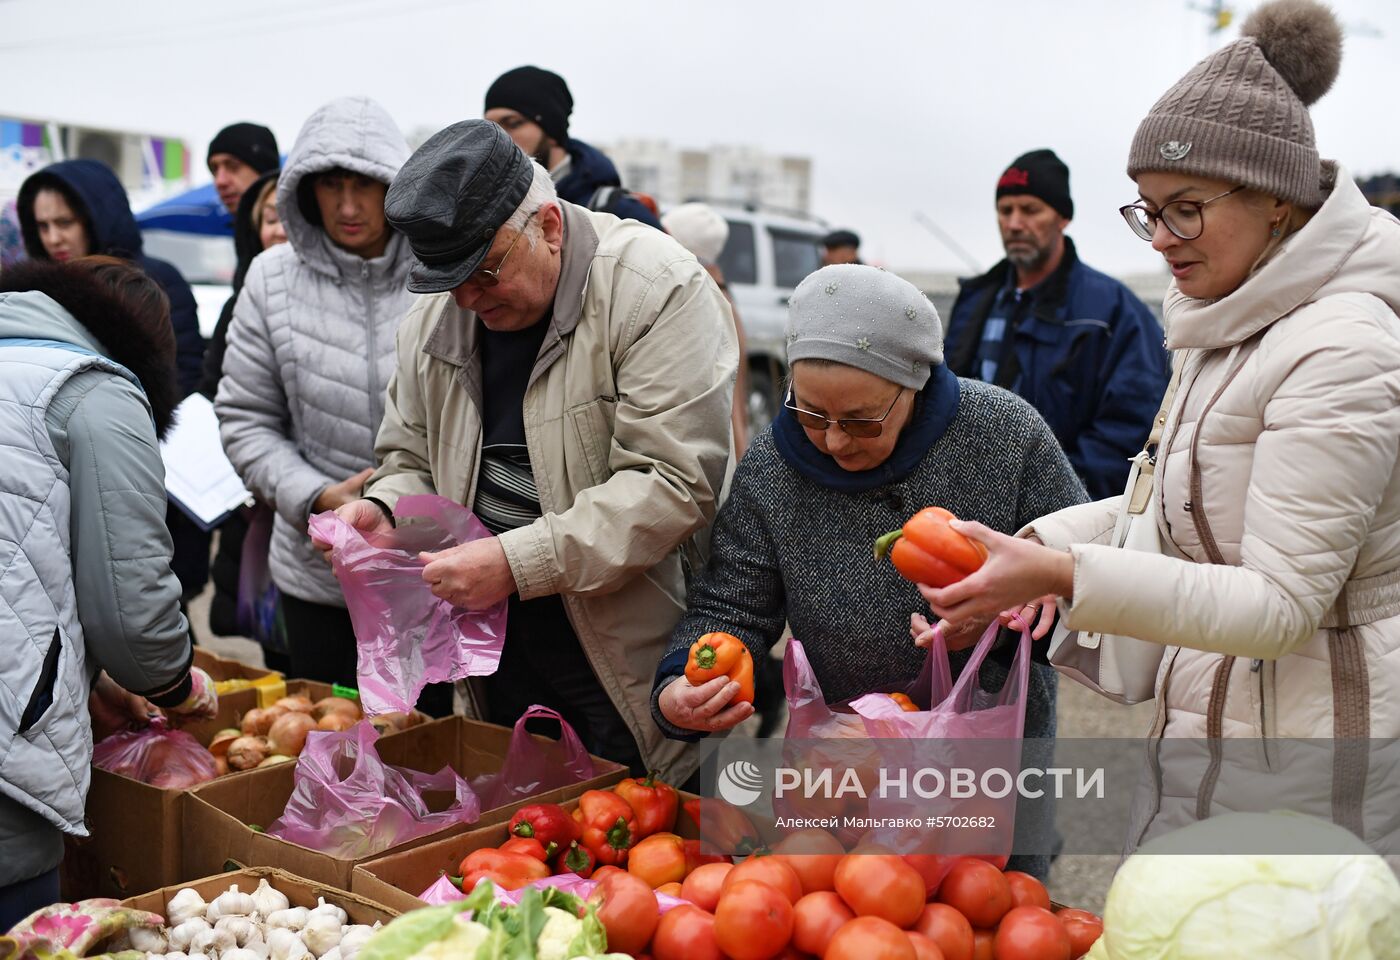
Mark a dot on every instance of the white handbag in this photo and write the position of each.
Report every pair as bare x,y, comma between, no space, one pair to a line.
1121,668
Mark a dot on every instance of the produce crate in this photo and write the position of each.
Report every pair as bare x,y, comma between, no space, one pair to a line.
299,891
396,879
135,829
268,686
218,831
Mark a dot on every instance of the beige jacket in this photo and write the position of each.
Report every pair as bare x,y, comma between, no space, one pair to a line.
1289,406
627,424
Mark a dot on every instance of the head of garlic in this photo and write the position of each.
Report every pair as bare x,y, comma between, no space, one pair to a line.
244,929
352,938
293,918
284,944
212,941
185,905
147,940
230,903
239,953
267,900
321,933
183,934
324,909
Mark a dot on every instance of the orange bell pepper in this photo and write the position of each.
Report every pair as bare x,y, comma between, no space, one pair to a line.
927,550
654,803
722,655
905,704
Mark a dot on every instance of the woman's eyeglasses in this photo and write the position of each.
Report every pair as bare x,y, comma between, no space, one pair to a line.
863,428
1184,218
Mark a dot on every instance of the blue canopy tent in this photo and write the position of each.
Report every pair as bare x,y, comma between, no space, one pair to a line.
198,211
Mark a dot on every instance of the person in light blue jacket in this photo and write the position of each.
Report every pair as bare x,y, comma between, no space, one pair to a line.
88,601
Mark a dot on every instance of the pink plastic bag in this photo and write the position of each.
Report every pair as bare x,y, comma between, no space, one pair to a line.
158,755
961,711
348,803
442,891
407,637
532,768
579,887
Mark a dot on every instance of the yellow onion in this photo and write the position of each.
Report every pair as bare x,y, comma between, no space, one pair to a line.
258,721
246,752
288,733
339,705
295,704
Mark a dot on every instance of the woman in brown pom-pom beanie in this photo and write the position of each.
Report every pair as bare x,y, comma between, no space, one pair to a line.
1275,596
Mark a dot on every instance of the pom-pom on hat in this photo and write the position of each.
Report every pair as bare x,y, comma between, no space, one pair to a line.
1241,114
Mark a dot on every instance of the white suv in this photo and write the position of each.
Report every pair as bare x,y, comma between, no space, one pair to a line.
768,254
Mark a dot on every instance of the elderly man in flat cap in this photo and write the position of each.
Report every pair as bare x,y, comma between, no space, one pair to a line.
568,375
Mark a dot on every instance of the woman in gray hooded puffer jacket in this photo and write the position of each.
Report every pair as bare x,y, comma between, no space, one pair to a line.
310,352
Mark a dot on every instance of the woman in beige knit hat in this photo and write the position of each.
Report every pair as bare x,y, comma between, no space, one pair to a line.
1276,597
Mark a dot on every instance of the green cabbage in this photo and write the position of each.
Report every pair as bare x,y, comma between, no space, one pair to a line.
1340,903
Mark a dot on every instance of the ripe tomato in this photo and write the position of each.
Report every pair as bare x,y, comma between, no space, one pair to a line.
770,870
672,889
978,890
815,920
658,859
1083,928
685,933
813,855
948,928
702,886
752,922
869,938
1031,933
982,944
628,911
1027,891
924,948
881,885
933,867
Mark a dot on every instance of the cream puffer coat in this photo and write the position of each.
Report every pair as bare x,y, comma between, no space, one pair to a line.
1279,462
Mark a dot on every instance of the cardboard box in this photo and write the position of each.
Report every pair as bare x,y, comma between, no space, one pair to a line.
217,819
234,676
300,891
135,829
396,879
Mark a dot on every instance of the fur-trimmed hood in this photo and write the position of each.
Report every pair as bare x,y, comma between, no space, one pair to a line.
49,301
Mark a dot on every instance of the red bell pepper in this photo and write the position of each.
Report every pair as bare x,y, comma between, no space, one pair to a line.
546,822
654,803
609,828
507,870
530,847
725,826
577,859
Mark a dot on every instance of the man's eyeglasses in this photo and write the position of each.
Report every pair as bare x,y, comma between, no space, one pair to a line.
862,428
1184,218
489,278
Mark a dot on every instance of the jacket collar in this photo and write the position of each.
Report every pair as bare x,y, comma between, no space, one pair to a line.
454,337
1303,264
1049,294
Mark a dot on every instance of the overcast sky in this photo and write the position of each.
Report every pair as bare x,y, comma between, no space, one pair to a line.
902,106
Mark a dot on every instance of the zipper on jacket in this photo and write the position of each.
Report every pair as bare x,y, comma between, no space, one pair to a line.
372,358
1264,681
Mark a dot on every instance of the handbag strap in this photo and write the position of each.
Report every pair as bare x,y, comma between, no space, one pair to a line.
1139,492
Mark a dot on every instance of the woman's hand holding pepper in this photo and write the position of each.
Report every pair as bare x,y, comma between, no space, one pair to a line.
706,707
1017,574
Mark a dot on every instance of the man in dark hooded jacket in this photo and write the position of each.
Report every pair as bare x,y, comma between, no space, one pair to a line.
78,207
533,106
